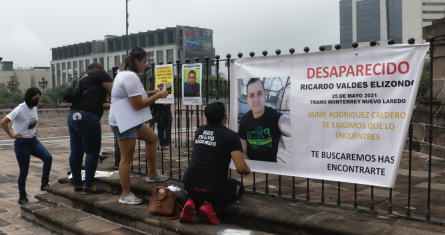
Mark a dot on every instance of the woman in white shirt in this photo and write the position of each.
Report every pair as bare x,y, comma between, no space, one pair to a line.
128,85
24,120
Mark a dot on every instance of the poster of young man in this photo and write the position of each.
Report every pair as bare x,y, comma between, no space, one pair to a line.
191,87
264,118
164,81
349,111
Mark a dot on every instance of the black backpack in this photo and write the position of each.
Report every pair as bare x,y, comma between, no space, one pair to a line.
72,92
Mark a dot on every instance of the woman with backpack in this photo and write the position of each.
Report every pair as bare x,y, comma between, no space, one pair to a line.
24,120
127,85
85,128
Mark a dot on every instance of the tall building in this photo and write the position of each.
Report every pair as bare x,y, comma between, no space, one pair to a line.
365,20
162,45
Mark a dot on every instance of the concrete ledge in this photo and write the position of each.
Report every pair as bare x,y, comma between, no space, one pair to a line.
65,220
423,147
255,212
135,216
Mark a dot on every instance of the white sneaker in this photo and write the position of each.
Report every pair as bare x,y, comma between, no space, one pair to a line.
130,199
156,178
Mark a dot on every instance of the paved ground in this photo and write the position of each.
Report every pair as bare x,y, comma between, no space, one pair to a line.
56,141
10,219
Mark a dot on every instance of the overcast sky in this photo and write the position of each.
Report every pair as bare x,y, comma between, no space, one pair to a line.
30,28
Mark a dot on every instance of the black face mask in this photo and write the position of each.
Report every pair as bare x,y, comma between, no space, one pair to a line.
34,102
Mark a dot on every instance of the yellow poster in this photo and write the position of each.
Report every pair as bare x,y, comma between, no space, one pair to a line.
164,81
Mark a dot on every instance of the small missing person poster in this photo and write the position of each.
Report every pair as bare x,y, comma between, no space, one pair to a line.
191,88
164,81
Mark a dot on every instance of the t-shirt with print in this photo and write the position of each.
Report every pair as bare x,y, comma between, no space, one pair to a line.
261,134
126,84
211,157
24,120
92,101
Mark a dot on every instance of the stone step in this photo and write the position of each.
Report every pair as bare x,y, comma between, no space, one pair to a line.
424,147
106,206
65,220
264,213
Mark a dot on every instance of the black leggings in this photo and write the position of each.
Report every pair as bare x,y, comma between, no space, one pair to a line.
232,192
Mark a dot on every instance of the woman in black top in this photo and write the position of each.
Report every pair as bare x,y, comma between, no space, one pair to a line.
85,128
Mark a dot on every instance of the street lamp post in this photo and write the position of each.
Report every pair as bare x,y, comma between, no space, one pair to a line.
12,85
43,84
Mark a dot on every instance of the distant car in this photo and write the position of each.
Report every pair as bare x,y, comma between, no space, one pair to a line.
196,44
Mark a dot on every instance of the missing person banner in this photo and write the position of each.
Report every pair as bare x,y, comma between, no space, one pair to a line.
164,81
191,84
334,115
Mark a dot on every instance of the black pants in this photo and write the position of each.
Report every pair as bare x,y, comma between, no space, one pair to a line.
232,192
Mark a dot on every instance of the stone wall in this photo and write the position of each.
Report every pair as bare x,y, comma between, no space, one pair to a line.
437,29
52,117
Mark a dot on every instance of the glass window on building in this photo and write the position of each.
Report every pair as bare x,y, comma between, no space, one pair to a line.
346,36
101,61
110,64
53,76
95,60
70,71
87,63
81,66
170,55
63,73
142,41
151,40
368,20
159,56
75,74
151,57
117,60
58,75
394,20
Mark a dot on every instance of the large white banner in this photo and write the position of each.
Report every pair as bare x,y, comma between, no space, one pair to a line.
334,115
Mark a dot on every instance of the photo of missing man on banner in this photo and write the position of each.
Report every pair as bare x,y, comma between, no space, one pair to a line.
169,88
161,86
264,118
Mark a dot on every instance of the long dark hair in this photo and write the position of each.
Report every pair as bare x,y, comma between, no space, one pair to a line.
93,66
128,64
31,92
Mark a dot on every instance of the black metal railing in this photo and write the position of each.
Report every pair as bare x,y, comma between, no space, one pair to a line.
188,118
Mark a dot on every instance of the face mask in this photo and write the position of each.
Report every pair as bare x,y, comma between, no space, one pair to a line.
34,102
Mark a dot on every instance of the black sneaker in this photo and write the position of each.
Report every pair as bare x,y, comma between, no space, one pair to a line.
23,199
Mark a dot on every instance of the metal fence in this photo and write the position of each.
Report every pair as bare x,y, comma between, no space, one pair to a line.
187,118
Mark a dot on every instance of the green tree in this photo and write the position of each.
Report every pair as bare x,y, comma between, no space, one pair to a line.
6,94
54,94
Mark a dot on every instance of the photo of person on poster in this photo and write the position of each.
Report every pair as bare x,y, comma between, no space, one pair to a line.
261,128
169,88
191,87
161,86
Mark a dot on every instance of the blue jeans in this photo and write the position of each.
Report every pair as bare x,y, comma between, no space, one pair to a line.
23,149
85,137
164,141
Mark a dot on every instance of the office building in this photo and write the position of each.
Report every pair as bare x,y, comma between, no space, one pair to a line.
363,21
162,45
